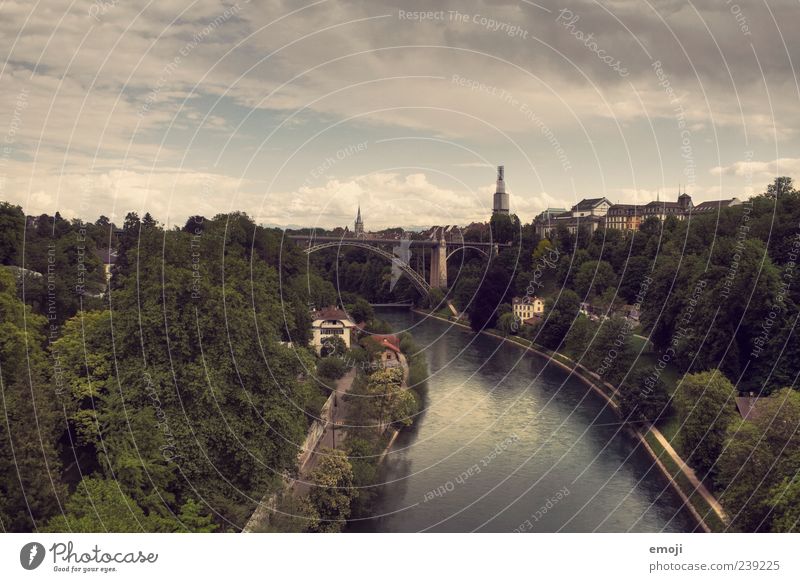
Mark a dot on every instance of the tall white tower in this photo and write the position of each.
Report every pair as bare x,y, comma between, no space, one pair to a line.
500,205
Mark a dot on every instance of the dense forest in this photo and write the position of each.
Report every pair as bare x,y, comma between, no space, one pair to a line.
169,402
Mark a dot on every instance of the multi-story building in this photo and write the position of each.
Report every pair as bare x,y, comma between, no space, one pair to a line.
544,224
630,216
624,217
331,322
588,213
527,307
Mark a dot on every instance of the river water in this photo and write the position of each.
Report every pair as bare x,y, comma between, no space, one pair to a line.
508,441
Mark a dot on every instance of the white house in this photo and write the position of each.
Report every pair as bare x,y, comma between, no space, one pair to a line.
331,322
527,307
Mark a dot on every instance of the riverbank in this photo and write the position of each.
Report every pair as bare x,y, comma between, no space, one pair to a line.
699,502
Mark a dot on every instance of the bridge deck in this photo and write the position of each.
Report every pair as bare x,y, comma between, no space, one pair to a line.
414,242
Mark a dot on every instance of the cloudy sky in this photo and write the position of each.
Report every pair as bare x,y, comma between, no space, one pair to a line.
296,112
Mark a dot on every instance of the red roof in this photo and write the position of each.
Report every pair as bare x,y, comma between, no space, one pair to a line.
387,341
331,312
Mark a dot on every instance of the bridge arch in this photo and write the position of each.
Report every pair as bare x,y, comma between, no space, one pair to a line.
417,279
462,247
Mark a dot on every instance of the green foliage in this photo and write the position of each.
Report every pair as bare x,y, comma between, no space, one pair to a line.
785,502
333,346
332,490
491,293
759,463
505,228
611,354
780,187
642,397
292,515
362,311
331,368
558,317
579,337
30,484
705,406
100,505
594,278
12,225
387,401
508,324
363,454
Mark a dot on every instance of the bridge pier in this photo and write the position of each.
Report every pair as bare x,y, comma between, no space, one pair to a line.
438,271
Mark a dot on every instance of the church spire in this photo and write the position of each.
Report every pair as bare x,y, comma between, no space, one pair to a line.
359,224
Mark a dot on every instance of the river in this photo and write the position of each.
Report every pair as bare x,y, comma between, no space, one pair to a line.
508,441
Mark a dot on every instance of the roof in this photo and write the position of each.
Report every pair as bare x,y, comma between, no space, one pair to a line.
386,341
331,312
663,204
527,300
589,203
715,205
748,407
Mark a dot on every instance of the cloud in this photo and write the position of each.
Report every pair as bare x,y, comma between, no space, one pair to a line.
143,102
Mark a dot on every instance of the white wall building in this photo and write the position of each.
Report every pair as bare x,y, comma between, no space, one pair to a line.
331,322
527,307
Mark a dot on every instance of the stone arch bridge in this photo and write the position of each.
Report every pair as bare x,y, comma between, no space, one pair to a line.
391,250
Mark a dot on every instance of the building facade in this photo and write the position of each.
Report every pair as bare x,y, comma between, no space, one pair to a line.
594,213
589,213
331,322
527,307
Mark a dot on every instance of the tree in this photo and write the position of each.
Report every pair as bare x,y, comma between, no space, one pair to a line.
643,397
508,323
363,454
491,293
333,346
388,401
780,187
193,518
292,515
760,459
12,226
544,249
593,278
331,368
31,428
331,491
785,503
362,311
705,407
610,354
505,228
579,337
100,505
558,317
